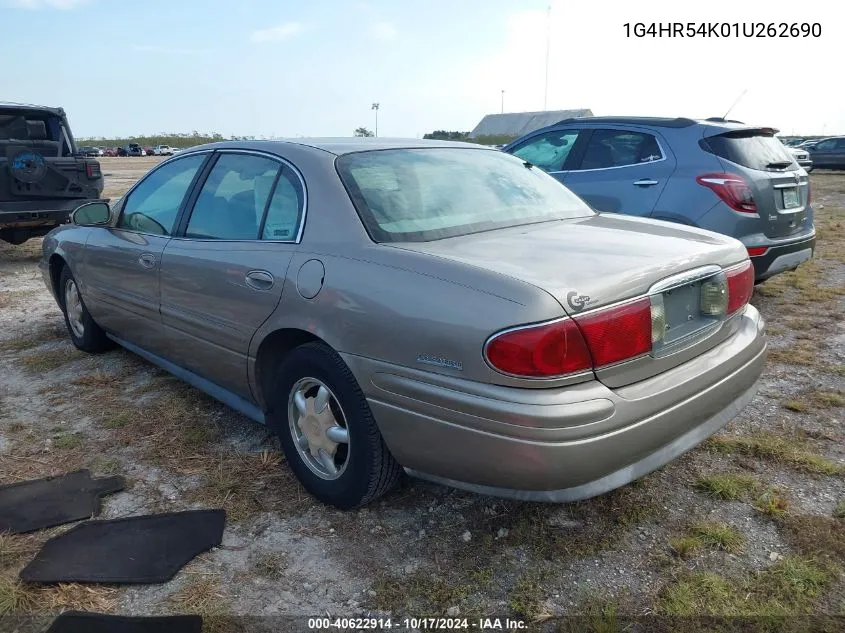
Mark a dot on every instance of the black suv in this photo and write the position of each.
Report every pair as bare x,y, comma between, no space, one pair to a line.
42,177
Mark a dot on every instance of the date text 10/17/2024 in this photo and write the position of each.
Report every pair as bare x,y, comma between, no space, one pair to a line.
416,624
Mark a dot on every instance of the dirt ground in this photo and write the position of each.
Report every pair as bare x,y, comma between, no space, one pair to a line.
749,524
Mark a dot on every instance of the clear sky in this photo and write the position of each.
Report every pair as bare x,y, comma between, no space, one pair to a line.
314,67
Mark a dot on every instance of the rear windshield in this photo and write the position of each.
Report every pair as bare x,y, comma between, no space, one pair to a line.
755,149
32,128
418,195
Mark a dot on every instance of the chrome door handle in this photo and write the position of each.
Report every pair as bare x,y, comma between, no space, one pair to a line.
645,182
147,260
259,280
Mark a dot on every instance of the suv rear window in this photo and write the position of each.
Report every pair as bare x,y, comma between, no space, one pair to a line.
755,149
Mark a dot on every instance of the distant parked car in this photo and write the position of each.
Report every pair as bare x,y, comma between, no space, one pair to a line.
132,149
163,150
148,151
443,308
802,157
720,175
829,153
88,151
110,151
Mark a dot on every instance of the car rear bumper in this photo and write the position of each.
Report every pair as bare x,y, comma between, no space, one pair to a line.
783,257
561,444
22,213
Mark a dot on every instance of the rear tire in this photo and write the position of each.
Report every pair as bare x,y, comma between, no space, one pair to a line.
361,468
84,333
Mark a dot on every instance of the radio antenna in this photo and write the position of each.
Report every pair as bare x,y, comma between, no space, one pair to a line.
742,94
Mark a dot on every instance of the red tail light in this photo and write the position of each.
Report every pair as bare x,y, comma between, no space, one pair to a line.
756,251
540,351
572,345
618,333
740,285
92,170
732,189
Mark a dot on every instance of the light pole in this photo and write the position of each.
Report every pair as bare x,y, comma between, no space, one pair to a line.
548,33
375,107
503,101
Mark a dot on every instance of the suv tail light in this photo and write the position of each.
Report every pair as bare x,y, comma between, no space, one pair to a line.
740,285
732,189
92,170
572,345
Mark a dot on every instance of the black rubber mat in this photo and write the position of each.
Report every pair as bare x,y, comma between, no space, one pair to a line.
84,622
43,503
143,549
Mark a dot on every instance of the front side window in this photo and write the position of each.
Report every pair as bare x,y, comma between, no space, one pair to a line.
548,151
231,203
418,195
826,146
619,148
153,205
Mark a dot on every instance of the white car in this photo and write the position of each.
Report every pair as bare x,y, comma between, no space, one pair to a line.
163,150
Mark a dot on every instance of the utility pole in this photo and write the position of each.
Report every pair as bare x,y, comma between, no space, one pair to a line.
375,107
503,101
548,34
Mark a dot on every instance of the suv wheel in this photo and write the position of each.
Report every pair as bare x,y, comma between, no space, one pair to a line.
84,332
327,430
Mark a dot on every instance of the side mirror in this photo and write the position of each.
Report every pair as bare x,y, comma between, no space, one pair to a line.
91,214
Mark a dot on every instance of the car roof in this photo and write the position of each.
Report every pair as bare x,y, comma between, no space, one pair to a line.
340,145
11,105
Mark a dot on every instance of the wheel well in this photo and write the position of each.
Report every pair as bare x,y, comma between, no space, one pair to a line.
56,265
272,349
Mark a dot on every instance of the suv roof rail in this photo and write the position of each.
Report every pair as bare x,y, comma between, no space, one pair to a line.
633,120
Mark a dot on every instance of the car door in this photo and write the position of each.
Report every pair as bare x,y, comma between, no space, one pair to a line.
620,170
824,153
222,275
548,150
838,159
121,263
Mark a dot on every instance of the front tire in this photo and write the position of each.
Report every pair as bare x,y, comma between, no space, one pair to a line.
327,430
84,333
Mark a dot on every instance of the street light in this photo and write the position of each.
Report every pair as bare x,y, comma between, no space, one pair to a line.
375,107
503,101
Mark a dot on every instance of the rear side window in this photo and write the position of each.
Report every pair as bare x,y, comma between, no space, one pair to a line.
755,149
619,148
232,200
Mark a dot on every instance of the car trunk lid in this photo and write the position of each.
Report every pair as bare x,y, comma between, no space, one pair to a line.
602,260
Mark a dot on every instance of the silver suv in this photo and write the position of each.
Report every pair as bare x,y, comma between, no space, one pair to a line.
714,174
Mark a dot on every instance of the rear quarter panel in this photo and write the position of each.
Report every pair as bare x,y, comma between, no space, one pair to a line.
383,303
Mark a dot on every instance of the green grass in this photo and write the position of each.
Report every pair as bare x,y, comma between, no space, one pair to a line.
789,587
772,503
526,597
729,486
118,420
839,510
719,535
828,399
68,441
40,362
791,451
685,546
